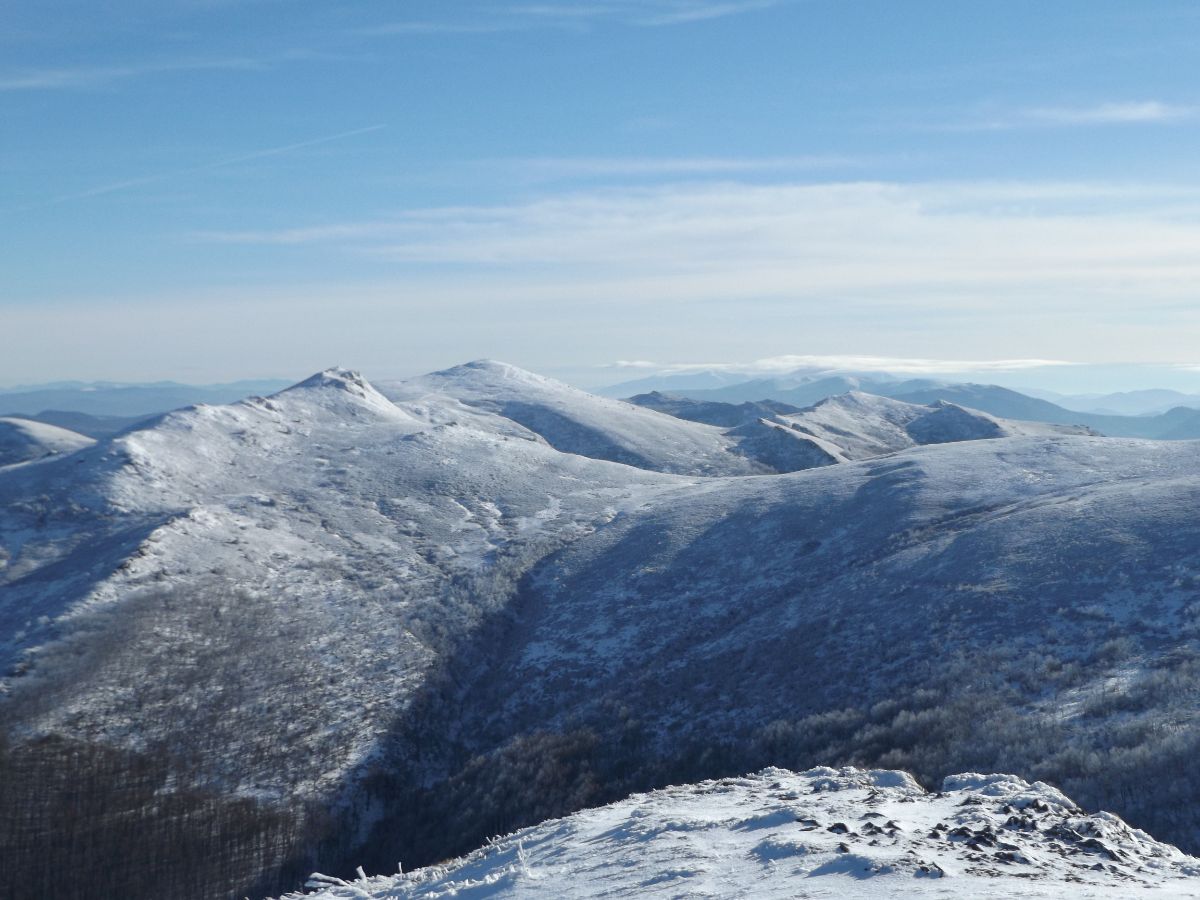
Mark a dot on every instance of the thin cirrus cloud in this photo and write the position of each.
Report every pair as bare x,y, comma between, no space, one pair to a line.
638,13
1116,113
1041,247
1113,113
900,365
552,168
87,77
156,177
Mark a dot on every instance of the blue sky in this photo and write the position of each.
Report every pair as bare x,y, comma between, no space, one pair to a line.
213,189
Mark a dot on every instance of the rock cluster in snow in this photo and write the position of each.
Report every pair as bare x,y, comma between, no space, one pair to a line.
821,833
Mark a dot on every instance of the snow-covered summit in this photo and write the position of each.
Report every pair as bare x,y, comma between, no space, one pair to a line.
821,833
317,501
22,440
342,389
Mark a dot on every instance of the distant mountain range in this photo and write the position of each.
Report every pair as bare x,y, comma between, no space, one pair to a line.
1125,403
1178,423
127,401
99,409
353,623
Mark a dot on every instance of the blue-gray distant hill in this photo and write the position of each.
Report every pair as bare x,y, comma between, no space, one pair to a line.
1180,423
130,401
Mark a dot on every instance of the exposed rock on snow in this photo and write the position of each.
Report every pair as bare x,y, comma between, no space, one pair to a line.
821,833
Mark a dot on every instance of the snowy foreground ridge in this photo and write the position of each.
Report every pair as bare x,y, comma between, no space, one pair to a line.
821,833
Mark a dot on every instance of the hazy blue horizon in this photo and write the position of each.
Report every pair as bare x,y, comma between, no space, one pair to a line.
211,190
1050,381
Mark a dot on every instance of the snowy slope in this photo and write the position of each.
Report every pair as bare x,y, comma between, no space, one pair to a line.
22,440
573,421
349,532
837,579
271,587
820,833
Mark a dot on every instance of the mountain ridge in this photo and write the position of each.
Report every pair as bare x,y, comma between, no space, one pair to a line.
418,615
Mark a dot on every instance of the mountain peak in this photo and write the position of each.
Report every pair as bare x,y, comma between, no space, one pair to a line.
493,368
343,383
345,379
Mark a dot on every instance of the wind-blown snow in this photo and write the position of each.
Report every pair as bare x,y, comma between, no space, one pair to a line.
821,833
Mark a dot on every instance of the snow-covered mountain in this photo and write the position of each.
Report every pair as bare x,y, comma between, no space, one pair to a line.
574,421
1179,422
862,425
821,833
428,611
325,524
22,440
849,426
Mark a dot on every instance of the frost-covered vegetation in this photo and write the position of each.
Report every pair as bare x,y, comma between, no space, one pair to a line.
328,629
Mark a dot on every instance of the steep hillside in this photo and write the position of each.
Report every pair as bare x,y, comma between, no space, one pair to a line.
847,580
323,544
1023,603
821,833
22,440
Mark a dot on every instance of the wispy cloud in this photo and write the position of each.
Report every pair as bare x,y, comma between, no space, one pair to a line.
977,276
683,12
85,77
638,12
568,14
1116,113
1130,113
140,181
953,248
432,27
899,365
551,168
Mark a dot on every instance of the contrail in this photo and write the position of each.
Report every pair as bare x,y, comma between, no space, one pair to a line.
228,161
